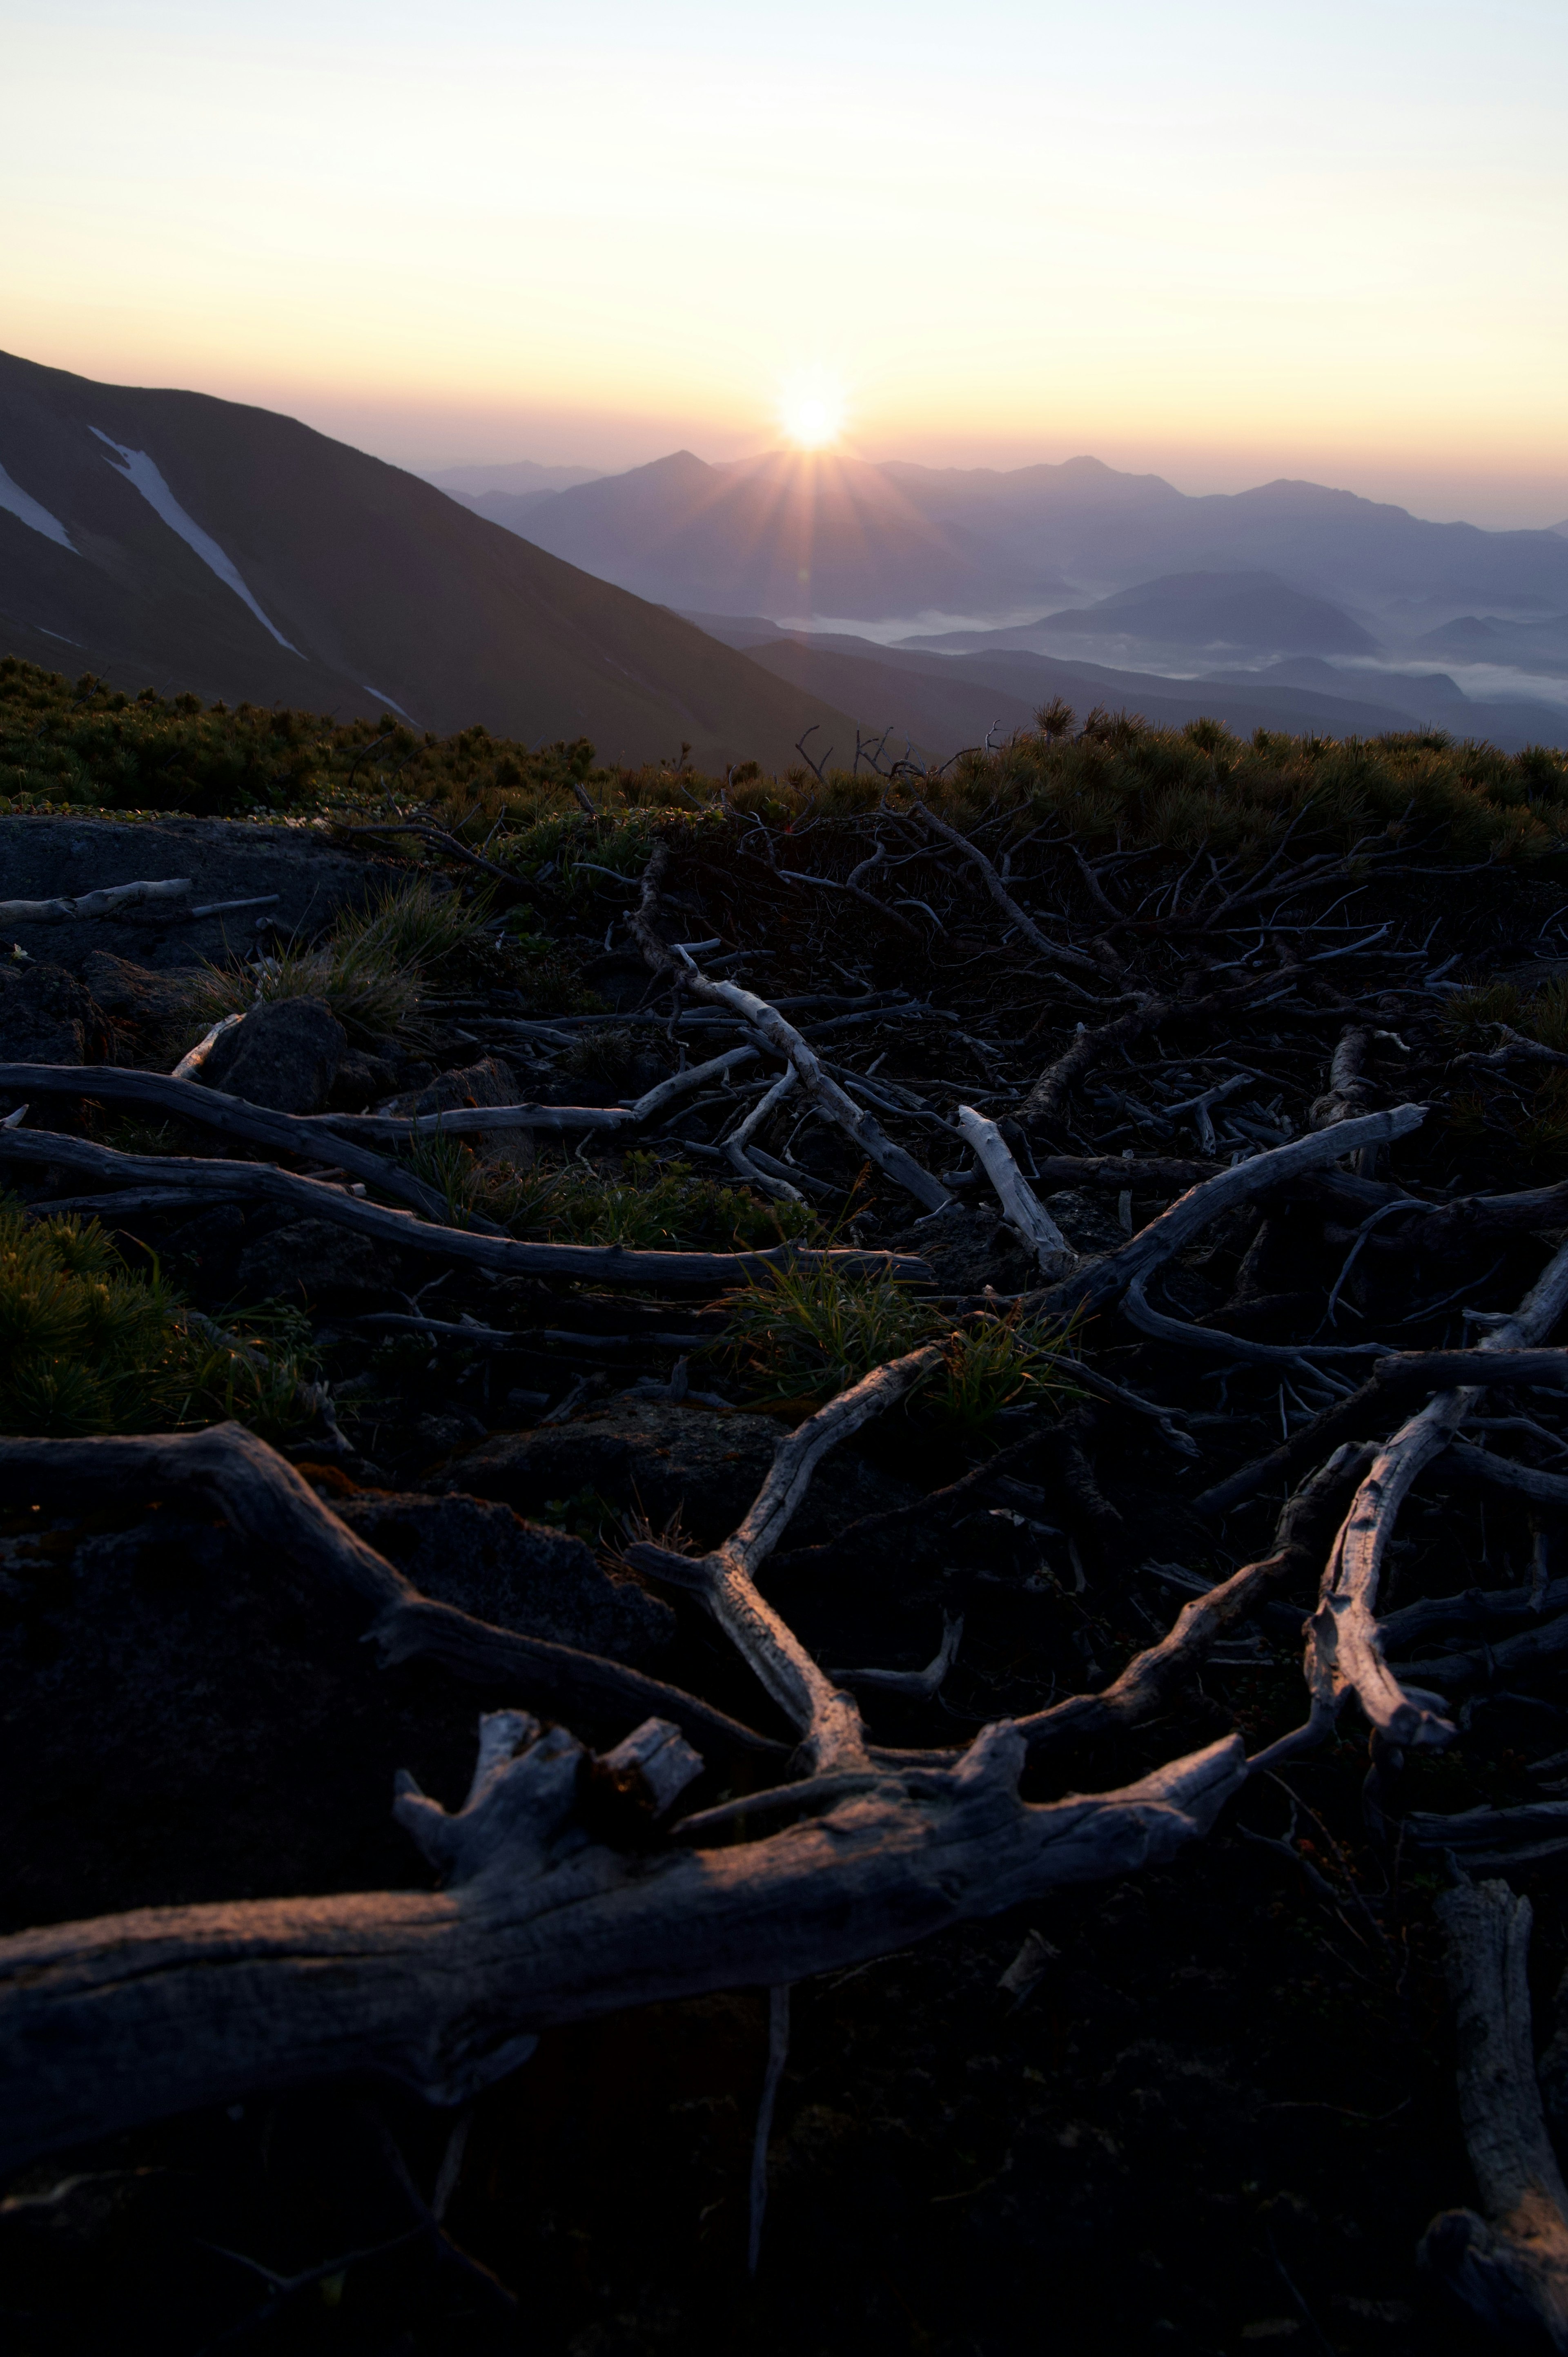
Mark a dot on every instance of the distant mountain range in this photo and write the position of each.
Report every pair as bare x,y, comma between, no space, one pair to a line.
941,702
167,539
800,536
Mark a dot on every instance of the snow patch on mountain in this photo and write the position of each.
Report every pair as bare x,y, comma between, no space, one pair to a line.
140,472
21,503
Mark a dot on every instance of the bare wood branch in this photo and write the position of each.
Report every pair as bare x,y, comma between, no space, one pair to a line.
1026,1214
769,1025
108,1085
828,1718
315,1199
128,2018
1059,952
1510,2266
105,903
1344,1645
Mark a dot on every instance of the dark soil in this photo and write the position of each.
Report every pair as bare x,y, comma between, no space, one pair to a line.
1212,2107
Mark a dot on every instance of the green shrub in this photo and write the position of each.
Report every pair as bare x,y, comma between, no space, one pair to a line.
646,1205
370,970
805,1334
88,1344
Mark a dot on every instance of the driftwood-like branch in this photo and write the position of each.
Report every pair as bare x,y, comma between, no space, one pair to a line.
127,2018
770,1028
261,1497
1147,1682
1510,2266
466,1121
1022,1208
725,1580
108,2024
1060,954
316,1198
105,903
287,1132
1100,1282
1344,1651
1393,1385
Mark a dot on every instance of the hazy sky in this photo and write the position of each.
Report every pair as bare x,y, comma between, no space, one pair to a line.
1222,241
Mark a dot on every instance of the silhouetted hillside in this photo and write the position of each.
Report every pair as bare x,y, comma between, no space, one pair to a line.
790,536
169,539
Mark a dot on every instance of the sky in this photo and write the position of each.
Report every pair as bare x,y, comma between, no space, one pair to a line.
1224,241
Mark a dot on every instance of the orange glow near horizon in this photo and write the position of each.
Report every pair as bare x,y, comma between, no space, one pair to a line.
1219,245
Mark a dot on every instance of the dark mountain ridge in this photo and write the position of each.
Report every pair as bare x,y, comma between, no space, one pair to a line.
794,535
169,538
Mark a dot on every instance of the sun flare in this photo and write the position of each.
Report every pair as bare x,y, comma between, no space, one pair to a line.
812,411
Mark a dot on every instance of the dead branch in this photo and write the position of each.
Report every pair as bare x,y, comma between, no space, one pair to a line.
1059,953
773,1031
1344,1645
107,1084
174,1179
1509,2267
105,903
1022,1209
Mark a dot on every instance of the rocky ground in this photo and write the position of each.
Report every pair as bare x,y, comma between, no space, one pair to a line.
1195,2108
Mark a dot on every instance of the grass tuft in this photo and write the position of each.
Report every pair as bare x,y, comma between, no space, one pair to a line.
88,1344
807,1334
370,970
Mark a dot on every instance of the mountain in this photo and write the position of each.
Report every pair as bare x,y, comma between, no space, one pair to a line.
790,533
944,702
1499,639
524,476
167,538
510,490
794,536
1244,613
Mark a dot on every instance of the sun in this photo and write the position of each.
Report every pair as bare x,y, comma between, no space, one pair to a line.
812,411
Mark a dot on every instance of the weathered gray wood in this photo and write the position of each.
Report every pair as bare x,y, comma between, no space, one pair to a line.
725,1580
1345,1648
1099,1282
315,1199
106,902
1021,1207
1510,2266
287,1132
127,2018
769,1028
261,1497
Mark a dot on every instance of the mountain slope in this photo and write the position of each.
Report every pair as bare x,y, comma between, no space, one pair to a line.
170,538
790,533
791,536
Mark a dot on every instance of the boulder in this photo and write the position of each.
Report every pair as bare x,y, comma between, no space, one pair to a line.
317,1263
968,1249
478,1553
360,1081
491,1082
47,1017
667,1460
135,994
284,1055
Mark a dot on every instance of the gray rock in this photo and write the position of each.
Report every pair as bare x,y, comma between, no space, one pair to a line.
491,1082
969,1248
317,1263
665,1461
478,1553
47,1017
286,1055
360,1081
